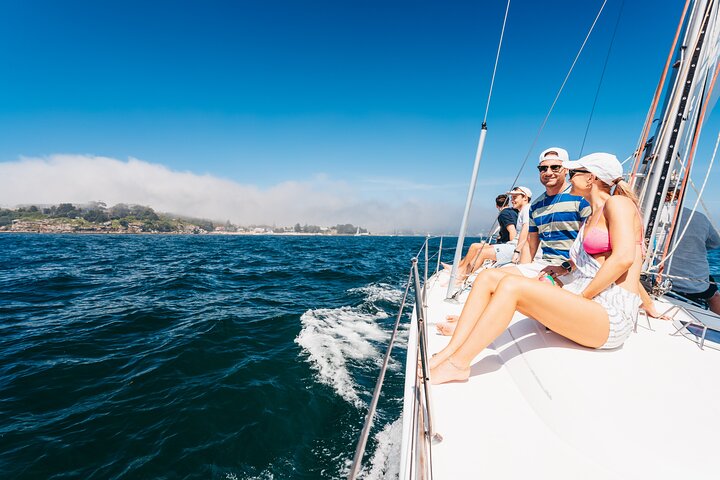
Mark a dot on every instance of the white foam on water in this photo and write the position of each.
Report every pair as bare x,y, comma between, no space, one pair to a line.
376,292
385,462
333,336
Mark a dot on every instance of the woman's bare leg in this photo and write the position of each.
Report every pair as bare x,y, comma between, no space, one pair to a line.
581,320
482,289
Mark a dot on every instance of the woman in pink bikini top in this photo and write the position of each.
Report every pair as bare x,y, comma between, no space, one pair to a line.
597,309
596,240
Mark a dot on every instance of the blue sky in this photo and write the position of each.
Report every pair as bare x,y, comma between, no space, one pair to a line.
381,101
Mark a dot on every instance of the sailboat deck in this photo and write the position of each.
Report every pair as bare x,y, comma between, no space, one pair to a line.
539,406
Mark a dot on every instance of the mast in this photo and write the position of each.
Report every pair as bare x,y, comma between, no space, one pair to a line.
664,162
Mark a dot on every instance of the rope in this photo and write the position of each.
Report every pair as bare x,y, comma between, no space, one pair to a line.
497,59
602,76
705,208
702,189
642,141
557,96
689,279
690,156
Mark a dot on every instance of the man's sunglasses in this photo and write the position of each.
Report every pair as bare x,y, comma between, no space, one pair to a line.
575,172
553,168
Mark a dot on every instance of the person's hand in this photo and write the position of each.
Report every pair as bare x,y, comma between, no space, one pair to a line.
515,258
553,270
651,311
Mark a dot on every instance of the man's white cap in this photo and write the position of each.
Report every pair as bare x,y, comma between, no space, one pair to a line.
605,166
554,153
523,190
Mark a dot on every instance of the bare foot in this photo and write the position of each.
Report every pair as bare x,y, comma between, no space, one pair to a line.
446,328
449,372
438,358
431,363
446,266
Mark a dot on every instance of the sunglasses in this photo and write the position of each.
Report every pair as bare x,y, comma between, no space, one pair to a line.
575,172
553,168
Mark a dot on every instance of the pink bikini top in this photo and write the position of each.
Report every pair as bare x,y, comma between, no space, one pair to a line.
596,240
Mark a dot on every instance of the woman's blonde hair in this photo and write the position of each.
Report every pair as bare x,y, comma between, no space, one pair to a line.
624,189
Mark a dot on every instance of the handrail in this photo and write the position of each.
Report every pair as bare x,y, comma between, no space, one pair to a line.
360,450
422,405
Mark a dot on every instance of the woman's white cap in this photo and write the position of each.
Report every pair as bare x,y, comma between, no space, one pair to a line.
521,190
605,166
554,153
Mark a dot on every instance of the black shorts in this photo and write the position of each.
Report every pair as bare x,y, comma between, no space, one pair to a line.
702,296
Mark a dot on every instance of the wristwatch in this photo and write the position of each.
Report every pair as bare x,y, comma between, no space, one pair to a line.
567,266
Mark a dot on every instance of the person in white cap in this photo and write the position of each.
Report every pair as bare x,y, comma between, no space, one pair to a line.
500,252
504,253
554,220
555,217
521,197
597,309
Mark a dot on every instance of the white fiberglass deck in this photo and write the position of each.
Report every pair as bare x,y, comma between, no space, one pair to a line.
540,406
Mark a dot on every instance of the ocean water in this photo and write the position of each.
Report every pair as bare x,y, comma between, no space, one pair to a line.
235,357
197,356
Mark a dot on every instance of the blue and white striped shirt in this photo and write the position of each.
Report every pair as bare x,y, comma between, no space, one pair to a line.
556,219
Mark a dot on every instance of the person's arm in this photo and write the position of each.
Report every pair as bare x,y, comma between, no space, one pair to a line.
511,231
533,242
619,212
713,240
533,237
648,304
522,240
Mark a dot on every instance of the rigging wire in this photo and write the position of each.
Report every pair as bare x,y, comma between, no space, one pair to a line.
557,96
705,208
602,76
478,155
682,234
542,126
649,120
497,60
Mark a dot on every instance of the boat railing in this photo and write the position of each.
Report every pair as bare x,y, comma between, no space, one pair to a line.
422,430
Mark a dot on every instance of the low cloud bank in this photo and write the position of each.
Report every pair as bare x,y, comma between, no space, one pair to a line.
83,178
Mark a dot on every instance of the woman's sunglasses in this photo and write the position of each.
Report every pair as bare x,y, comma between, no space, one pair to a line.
572,173
553,168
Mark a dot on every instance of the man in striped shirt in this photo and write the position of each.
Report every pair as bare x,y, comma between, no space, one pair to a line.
555,218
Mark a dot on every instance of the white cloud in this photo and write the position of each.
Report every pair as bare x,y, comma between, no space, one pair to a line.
320,201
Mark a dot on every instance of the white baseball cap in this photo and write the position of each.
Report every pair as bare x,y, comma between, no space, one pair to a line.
521,190
605,166
554,153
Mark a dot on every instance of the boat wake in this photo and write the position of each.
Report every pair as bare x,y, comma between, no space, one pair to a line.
385,462
338,340
379,292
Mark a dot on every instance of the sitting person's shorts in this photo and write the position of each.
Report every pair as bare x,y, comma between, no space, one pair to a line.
504,252
701,296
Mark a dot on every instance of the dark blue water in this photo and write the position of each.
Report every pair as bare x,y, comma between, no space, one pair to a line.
195,357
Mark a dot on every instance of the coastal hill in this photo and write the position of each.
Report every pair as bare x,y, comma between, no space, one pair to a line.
97,217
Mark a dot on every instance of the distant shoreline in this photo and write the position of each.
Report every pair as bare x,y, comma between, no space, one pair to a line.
231,234
215,234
